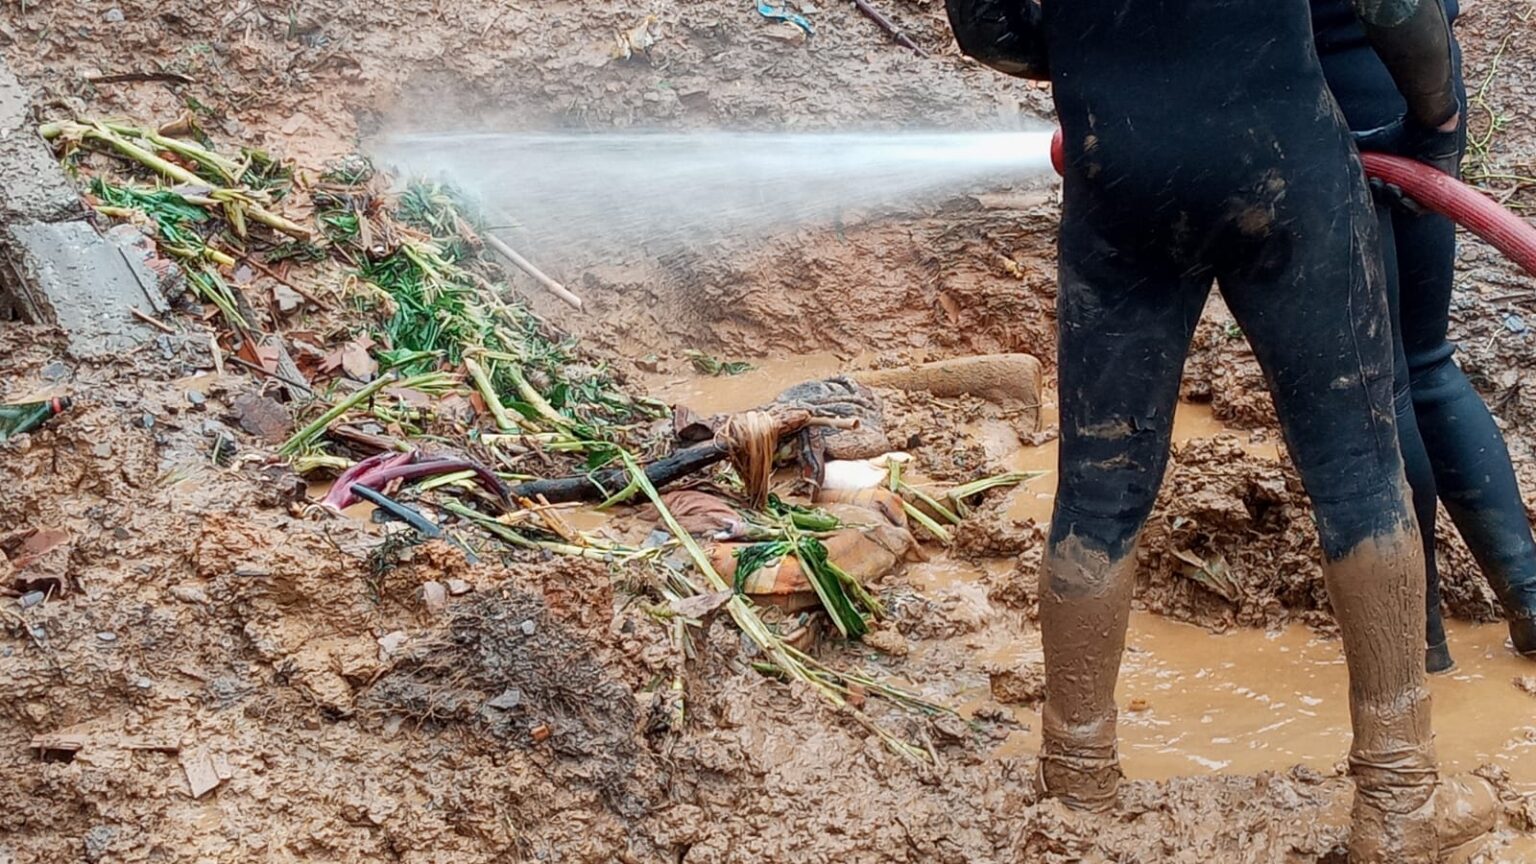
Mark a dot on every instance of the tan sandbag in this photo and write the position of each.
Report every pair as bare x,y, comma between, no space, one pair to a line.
702,514
883,502
865,553
1009,380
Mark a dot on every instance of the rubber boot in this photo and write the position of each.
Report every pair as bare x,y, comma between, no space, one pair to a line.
1437,656
1522,633
1085,604
1438,659
1402,814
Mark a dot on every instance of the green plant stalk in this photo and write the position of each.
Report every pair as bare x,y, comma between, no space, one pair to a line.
175,172
747,619
939,532
976,487
488,393
505,533
441,480
227,169
317,461
534,398
313,430
944,512
860,594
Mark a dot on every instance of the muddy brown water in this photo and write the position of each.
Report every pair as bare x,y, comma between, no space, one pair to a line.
1193,701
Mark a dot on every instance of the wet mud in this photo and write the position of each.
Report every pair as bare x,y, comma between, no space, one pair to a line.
220,674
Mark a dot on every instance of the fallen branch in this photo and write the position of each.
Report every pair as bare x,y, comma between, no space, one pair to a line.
885,24
526,266
602,484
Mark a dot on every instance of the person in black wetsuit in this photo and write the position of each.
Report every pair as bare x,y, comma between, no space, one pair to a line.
1202,145
1450,443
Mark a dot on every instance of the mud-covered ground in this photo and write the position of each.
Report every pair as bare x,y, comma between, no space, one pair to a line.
219,676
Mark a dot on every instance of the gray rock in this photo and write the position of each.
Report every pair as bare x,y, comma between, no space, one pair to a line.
56,371
32,598
508,699
113,16
529,628
107,636
98,842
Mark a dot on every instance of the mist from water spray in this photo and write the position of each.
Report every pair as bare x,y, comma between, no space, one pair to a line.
600,193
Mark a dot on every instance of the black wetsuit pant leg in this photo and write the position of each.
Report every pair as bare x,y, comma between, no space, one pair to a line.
1300,272
1464,447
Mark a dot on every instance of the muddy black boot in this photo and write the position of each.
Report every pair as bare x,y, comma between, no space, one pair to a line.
1522,633
1438,659
1085,604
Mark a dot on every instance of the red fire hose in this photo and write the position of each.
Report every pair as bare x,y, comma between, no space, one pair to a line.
1435,191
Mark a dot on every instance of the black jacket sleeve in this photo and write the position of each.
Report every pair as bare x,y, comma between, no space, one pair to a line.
1006,35
1414,41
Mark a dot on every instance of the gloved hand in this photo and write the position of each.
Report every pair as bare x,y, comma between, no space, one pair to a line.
1438,148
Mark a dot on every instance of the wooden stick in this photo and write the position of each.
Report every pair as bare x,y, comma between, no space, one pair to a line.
885,24
526,266
151,320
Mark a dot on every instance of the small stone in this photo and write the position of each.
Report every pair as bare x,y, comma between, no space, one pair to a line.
1138,705
508,699
391,643
529,628
107,636
458,587
287,299
98,842
434,595
113,16
189,594
32,598
196,398
147,421
56,371
143,683
102,450
785,32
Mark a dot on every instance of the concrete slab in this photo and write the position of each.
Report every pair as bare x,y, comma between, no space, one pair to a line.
33,187
67,274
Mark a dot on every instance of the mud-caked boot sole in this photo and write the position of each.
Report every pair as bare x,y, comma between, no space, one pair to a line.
1459,812
1466,810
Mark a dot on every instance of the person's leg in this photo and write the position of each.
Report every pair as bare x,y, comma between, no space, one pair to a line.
1416,464
1320,275
1122,339
1466,449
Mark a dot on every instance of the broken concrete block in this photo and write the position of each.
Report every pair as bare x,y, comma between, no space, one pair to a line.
35,187
65,273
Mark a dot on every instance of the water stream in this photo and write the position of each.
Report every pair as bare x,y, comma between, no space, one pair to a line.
612,193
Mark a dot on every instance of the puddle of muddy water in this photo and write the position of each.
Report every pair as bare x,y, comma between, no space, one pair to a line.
1194,702
720,394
